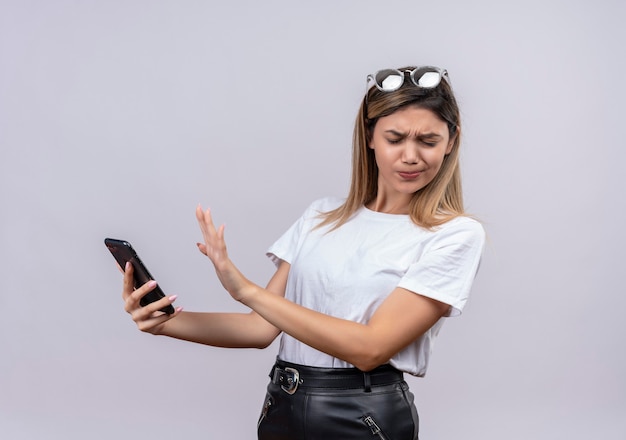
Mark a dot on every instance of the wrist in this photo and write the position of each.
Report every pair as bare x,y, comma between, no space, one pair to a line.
249,293
237,285
162,329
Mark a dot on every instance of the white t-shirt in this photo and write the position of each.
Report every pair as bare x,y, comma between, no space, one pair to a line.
348,273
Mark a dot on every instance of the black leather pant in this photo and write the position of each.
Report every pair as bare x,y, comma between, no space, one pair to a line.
337,404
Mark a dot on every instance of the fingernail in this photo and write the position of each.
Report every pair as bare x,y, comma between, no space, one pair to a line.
127,265
152,283
179,309
173,298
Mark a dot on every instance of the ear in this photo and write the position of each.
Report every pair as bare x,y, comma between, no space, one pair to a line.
449,147
452,139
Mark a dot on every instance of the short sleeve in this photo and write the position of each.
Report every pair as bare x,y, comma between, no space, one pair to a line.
448,266
287,246
284,249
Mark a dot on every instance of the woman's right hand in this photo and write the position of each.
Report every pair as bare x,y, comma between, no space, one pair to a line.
148,318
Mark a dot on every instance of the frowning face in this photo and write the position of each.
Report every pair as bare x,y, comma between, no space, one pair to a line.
409,146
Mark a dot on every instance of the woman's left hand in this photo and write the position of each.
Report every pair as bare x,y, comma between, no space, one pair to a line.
214,247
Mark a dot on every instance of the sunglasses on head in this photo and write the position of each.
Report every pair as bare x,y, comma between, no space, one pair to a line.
390,80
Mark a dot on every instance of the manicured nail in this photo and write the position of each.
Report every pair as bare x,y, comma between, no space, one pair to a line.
127,265
179,309
173,298
152,283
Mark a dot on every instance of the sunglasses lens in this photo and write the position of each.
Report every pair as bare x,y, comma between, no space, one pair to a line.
389,80
427,77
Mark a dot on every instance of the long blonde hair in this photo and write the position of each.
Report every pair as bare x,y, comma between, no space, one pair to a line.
439,201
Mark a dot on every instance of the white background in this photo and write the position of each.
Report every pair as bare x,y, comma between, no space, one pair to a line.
118,117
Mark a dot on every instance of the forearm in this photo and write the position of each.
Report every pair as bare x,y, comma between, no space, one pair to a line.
339,338
232,330
400,319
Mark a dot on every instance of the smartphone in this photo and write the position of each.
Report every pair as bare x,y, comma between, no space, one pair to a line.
123,252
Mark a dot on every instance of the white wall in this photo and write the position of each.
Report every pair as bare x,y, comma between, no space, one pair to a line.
118,117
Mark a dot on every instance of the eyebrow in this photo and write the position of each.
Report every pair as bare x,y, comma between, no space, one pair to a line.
429,135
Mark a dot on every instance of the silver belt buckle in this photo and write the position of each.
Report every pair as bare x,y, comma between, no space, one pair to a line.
293,382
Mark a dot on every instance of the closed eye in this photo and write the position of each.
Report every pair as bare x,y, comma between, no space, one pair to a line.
394,137
430,140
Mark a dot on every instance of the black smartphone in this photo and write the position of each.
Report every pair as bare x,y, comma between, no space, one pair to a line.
123,252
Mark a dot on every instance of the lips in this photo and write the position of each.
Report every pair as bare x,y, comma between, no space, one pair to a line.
409,174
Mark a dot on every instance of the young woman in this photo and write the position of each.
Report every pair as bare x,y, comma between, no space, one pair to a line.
362,284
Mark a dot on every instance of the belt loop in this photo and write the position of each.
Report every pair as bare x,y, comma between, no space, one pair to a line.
367,382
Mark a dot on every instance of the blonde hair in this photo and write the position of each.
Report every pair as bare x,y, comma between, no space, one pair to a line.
439,201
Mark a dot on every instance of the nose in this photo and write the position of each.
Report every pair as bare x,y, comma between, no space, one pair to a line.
410,154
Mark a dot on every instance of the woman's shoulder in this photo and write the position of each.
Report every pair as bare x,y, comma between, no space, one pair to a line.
463,221
461,224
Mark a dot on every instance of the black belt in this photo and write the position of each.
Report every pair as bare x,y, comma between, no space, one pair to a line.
291,376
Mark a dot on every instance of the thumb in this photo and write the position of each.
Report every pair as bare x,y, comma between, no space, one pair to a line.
201,248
